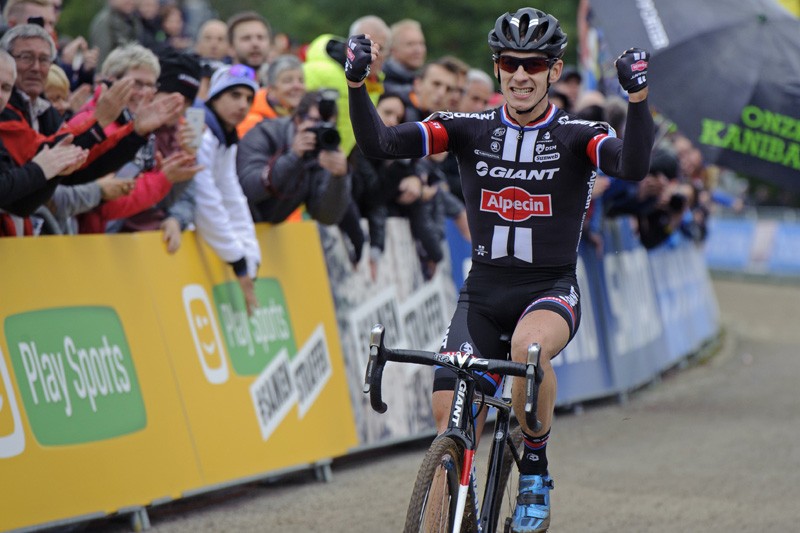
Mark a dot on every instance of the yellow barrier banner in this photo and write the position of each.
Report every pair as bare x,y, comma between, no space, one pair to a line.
265,392
128,375
90,419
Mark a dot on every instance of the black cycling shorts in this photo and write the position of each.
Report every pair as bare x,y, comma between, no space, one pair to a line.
492,301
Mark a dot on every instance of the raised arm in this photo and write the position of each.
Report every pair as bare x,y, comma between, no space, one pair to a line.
630,159
373,137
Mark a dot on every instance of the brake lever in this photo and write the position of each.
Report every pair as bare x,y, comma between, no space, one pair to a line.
533,377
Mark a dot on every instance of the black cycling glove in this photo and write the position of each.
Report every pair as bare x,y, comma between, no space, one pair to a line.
632,69
359,57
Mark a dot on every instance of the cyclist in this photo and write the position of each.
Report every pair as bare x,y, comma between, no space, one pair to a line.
527,171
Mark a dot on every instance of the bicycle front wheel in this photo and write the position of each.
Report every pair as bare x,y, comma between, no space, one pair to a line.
435,495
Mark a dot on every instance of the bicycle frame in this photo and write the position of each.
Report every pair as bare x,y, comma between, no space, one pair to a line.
462,429
500,437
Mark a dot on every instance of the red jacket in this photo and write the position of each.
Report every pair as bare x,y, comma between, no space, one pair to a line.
22,142
151,187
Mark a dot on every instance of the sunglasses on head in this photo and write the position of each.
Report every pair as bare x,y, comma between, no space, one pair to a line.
242,71
531,65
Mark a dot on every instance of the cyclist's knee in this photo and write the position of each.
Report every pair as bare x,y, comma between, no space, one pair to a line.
441,400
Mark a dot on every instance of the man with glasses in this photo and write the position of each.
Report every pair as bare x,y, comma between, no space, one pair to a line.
154,179
527,170
30,122
33,52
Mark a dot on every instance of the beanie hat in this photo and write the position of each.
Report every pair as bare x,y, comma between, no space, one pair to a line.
232,76
180,73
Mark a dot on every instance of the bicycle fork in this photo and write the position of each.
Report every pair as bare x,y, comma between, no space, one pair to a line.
468,475
463,488
458,427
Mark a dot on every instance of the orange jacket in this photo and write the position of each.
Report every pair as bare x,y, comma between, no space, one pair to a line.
260,110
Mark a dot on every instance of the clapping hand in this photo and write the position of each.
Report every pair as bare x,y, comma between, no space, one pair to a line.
178,167
62,159
112,101
164,109
112,187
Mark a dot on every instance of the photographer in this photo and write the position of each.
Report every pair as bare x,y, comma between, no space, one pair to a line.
285,162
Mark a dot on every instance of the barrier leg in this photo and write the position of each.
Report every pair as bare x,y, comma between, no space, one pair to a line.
140,520
322,471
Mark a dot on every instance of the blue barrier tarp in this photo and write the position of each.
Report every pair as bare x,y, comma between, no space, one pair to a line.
641,312
785,255
729,243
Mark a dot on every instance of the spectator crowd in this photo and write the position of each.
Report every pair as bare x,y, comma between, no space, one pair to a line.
98,134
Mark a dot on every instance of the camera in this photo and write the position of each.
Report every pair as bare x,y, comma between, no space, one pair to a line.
677,203
328,137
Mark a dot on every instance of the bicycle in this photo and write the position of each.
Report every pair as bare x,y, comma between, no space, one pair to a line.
444,497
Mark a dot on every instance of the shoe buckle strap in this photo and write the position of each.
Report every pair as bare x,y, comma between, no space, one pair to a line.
528,498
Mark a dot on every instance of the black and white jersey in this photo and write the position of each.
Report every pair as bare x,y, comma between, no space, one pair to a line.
526,188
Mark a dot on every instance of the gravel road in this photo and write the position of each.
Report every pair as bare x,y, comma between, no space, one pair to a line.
710,448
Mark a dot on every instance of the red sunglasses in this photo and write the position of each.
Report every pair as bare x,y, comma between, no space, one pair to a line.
531,65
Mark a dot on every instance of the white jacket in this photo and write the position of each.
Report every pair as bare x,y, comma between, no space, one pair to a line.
222,215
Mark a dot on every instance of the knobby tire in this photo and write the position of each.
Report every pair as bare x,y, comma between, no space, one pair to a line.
433,500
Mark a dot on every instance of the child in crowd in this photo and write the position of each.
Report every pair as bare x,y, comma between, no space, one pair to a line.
56,90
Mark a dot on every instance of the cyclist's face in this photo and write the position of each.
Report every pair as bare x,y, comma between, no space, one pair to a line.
522,90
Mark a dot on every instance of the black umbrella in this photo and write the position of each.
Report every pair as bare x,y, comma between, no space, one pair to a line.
727,72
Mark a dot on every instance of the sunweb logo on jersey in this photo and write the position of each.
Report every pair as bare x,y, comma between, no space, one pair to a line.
75,374
515,204
483,169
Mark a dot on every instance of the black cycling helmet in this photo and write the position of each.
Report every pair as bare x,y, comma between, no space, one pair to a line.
528,30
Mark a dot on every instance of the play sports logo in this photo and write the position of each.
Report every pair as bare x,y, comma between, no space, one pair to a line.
251,342
75,375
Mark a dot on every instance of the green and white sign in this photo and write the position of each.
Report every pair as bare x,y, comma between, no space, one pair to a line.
75,374
254,341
